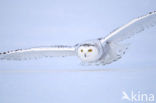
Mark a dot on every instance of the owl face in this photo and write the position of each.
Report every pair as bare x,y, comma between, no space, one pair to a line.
88,53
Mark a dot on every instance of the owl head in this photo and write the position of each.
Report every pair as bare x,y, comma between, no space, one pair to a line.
89,52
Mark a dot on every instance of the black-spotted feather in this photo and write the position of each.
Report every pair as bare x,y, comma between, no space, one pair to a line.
39,52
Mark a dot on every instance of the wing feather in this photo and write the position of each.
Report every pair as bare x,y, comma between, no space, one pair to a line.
39,52
116,50
135,26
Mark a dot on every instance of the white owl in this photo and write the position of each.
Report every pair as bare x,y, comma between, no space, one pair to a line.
99,51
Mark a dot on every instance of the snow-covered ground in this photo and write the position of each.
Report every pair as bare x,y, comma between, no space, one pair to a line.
79,86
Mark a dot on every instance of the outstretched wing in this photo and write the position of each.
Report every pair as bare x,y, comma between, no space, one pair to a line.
115,49
135,26
33,53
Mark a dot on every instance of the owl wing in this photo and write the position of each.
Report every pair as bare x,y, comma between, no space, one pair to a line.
115,49
33,53
133,27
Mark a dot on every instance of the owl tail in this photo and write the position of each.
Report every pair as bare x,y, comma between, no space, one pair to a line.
115,52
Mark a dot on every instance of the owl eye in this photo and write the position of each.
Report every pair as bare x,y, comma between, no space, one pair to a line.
81,50
90,50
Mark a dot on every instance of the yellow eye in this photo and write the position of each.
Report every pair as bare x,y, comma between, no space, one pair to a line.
90,50
81,50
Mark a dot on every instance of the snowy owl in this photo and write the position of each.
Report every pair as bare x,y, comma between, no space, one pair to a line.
99,51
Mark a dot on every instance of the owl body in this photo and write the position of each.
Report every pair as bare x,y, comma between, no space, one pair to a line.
98,52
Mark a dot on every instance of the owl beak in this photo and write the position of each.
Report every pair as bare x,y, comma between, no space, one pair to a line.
85,55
